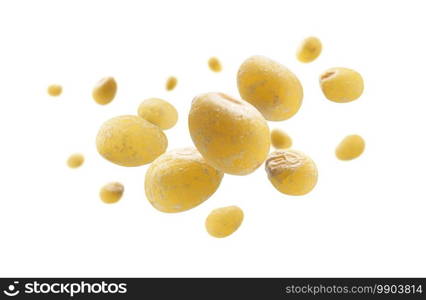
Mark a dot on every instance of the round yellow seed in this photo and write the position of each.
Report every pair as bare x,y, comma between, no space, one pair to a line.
111,192
350,147
224,221
214,64
54,90
341,85
158,112
291,172
272,88
180,180
171,83
75,160
280,139
309,49
130,141
105,90
230,133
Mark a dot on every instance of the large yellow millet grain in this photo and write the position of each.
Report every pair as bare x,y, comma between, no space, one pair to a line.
291,172
224,221
230,133
111,192
171,83
54,90
130,141
214,64
341,85
75,160
105,90
350,147
159,112
180,180
272,88
309,49
280,139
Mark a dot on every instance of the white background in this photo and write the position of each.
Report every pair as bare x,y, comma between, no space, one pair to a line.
365,217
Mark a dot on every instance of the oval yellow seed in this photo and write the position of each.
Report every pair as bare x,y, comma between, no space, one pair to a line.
280,139
180,180
171,83
105,90
224,221
111,192
214,64
130,141
341,85
291,172
75,160
158,112
54,90
309,49
272,88
350,147
230,133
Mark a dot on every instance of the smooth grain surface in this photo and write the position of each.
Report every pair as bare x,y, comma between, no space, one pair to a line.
350,147
230,133
271,87
180,180
341,85
130,141
224,221
158,112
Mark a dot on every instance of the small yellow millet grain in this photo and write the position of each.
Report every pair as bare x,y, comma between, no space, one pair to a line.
130,141
231,134
75,160
341,84
171,83
180,180
214,64
224,221
54,90
350,147
291,172
105,90
272,88
111,192
309,49
280,139
159,112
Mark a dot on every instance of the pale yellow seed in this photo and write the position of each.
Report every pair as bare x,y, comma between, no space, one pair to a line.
224,221
309,49
54,90
214,64
291,172
341,84
159,112
280,139
179,180
105,90
111,192
350,147
130,141
230,133
75,160
272,88
171,83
